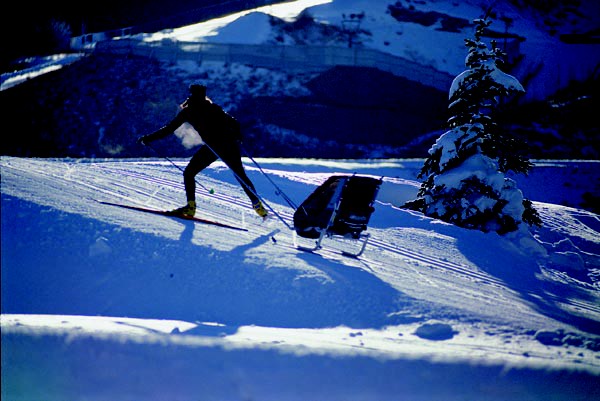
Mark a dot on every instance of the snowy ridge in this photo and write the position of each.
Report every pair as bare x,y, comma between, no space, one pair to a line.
432,45
81,278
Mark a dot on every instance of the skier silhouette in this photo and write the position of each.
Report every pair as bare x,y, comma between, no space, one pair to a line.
221,135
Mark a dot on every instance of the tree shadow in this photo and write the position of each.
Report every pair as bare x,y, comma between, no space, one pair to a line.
523,273
520,270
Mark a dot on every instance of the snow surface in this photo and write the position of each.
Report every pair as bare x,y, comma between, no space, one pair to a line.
104,303
38,66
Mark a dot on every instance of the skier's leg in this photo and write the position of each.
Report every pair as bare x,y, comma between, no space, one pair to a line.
233,159
201,159
247,185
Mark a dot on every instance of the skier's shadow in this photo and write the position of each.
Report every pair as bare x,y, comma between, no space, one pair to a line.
187,235
189,227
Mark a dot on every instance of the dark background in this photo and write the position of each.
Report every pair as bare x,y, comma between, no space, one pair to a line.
37,28
97,107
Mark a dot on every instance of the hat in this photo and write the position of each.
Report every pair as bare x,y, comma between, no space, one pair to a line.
198,90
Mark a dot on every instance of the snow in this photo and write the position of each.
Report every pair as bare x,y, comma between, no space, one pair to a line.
503,80
236,25
105,303
555,62
100,302
255,23
38,66
230,83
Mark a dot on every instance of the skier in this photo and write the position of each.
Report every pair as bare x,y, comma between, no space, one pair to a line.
221,135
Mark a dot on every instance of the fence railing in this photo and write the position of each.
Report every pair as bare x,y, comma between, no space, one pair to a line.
292,58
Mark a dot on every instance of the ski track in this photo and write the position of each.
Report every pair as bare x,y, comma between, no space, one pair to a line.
130,186
157,184
496,288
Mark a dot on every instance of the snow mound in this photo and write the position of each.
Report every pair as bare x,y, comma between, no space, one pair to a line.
435,331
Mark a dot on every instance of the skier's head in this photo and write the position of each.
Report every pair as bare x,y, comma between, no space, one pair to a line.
198,91
197,94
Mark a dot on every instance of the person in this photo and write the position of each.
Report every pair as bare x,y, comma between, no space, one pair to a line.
221,136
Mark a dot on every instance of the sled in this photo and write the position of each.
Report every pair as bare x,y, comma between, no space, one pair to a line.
339,208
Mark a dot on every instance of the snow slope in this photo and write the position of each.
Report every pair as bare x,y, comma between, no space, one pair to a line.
548,64
104,303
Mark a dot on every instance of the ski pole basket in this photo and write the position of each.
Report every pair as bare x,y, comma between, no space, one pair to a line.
341,206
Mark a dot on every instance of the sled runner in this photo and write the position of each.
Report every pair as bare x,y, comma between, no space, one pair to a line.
340,207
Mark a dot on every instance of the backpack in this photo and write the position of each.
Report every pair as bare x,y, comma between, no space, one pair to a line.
226,122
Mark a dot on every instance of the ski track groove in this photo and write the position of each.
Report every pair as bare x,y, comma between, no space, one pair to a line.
439,263
153,194
106,186
481,278
179,185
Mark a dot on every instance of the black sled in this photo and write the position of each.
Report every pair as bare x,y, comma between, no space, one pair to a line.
340,207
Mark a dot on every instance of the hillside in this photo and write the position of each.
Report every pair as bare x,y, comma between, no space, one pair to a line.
82,110
98,106
100,302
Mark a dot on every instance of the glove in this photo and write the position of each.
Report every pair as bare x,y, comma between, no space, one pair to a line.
143,140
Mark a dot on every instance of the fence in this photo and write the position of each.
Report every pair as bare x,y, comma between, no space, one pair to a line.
291,58
89,40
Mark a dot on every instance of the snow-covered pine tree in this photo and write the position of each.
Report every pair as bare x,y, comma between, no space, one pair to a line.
465,182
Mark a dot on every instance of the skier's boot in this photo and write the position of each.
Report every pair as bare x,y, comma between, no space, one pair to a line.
260,209
188,210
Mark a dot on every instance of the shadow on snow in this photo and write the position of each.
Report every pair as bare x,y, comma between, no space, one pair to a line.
61,263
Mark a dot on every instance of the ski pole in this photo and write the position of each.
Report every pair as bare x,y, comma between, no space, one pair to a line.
253,191
210,191
278,191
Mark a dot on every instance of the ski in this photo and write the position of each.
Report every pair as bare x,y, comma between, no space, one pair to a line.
169,214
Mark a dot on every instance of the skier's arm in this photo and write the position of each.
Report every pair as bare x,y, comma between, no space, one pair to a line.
166,130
